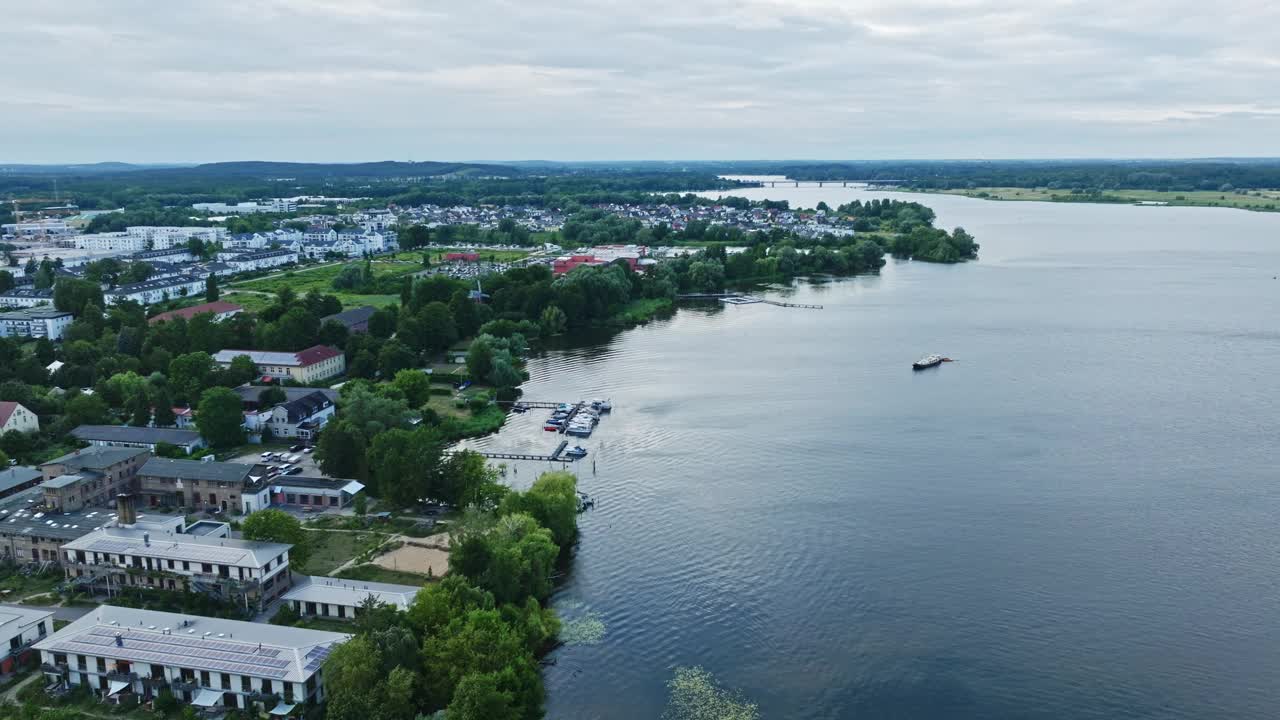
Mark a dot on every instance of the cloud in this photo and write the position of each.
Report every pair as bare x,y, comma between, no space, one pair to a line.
499,79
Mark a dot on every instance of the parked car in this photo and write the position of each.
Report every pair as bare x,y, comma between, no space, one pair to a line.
307,449
296,448
294,471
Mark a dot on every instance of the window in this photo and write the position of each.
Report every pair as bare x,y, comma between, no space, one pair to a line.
41,629
15,643
157,672
204,678
81,661
266,686
206,567
186,565
102,664
245,685
170,564
226,681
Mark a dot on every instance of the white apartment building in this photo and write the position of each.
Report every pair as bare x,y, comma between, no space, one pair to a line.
34,323
19,628
26,297
111,242
338,599
240,570
206,662
162,237
274,205
245,262
154,291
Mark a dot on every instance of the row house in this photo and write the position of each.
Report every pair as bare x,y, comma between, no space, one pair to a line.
248,262
26,297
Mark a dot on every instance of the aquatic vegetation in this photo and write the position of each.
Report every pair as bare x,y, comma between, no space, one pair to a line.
587,629
696,695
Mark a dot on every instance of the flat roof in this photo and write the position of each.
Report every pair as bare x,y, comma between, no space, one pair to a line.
315,483
146,435
260,650
180,546
349,592
195,470
250,393
17,518
61,481
14,619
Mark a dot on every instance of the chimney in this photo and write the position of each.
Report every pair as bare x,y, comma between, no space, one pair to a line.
125,512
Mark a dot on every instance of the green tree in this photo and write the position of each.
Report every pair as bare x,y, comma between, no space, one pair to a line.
341,450
395,357
71,295
241,370
85,410
553,321
405,465
211,288
6,281
360,505
271,396
552,500
44,276
220,418
416,386
480,358
480,696
190,374
480,643
273,525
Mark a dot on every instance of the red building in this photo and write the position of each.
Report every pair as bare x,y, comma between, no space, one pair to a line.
462,257
565,263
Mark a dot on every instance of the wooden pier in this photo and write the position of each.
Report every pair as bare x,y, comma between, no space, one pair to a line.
556,455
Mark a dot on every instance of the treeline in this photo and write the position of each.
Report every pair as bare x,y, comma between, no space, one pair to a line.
1188,175
467,645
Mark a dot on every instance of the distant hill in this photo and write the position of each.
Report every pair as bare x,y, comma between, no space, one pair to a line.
263,170
79,168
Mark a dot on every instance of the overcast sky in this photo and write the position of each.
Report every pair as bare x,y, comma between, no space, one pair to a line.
352,80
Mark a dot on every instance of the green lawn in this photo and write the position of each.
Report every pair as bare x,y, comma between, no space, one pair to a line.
15,585
330,549
377,573
1262,200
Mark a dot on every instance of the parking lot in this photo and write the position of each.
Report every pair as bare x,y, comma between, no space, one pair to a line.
306,460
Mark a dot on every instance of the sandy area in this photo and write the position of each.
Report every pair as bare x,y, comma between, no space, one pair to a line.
418,555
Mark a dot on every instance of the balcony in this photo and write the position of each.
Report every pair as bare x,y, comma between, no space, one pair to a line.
55,669
129,677
185,685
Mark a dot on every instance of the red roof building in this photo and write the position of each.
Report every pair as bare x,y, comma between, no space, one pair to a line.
462,257
220,310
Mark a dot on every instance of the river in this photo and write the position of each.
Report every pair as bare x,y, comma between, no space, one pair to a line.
1076,519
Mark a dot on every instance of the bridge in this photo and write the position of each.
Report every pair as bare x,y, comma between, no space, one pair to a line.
821,183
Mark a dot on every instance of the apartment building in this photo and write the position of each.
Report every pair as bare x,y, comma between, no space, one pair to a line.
244,571
35,323
26,297
340,599
206,662
20,628
157,291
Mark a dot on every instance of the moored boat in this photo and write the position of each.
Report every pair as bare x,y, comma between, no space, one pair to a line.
927,361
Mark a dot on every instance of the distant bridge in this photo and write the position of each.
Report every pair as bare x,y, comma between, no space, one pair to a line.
822,183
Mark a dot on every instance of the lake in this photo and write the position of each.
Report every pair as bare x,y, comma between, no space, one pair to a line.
1077,518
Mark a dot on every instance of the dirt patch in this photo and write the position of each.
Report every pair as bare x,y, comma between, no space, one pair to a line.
418,555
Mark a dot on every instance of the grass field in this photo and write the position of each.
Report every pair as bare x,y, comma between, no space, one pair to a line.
1260,200
374,573
329,549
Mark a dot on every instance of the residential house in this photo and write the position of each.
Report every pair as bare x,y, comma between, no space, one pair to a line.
300,418
15,417
261,260
340,599
306,492
220,310
35,322
138,437
316,363
249,394
205,662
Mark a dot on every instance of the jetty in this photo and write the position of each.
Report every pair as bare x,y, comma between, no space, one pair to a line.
556,455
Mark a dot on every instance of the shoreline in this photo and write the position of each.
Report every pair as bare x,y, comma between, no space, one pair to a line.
1142,198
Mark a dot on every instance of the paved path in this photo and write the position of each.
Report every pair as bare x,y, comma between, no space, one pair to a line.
11,695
